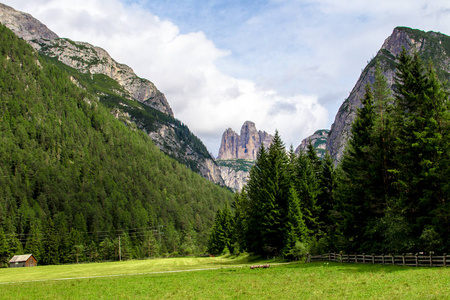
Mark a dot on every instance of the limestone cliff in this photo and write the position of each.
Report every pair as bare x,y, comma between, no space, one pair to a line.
318,140
235,172
25,26
245,145
237,153
83,57
430,46
169,142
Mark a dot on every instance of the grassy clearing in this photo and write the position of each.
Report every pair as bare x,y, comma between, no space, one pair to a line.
294,281
120,268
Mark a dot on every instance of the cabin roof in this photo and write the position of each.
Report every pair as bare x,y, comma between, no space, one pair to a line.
20,258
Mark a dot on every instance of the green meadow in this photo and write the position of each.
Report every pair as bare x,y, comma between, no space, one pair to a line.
223,278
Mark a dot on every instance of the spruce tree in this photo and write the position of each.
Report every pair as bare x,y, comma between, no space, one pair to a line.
256,190
355,191
421,149
217,239
268,190
308,188
295,228
325,199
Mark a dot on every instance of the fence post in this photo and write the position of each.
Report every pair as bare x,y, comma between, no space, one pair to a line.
403,258
382,258
364,258
445,259
431,259
373,258
417,260
393,259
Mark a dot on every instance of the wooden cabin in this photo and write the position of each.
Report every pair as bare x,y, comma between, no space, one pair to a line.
26,260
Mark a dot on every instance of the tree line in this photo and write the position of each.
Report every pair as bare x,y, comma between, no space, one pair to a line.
388,194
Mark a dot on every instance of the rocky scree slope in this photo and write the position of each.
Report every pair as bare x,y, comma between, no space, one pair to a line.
431,46
90,65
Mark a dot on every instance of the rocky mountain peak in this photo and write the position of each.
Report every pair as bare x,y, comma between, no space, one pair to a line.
83,57
318,139
245,145
25,26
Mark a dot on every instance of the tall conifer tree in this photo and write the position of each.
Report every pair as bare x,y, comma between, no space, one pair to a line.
421,148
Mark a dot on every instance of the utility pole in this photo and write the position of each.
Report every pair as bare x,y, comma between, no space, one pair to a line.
120,252
159,234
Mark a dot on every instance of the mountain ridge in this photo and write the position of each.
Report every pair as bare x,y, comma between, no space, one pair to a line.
170,135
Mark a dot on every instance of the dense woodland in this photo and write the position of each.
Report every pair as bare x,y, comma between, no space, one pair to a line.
389,194
74,181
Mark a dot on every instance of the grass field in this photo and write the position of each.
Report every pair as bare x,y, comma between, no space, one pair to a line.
225,278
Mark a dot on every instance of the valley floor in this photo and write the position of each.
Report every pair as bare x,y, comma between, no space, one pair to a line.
223,278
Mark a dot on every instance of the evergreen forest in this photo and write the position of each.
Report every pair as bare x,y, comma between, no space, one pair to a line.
388,194
77,184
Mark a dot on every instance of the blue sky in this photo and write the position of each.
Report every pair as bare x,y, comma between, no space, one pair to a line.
284,64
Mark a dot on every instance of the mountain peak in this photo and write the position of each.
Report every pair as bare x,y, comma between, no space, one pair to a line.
245,145
25,26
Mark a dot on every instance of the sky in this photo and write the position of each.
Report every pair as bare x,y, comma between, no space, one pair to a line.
286,65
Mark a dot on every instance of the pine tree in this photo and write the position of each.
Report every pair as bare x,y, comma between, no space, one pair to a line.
50,255
421,148
268,190
355,187
308,188
217,239
325,199
34,241
4,249
241,216
295,230
255,192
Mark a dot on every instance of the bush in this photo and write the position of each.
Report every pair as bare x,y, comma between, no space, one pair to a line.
298,251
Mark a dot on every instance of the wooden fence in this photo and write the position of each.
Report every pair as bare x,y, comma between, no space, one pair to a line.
417,260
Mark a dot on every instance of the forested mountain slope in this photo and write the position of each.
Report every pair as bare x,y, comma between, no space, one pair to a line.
73,178
119,88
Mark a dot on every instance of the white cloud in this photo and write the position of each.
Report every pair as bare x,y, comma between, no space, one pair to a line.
183,67
299,59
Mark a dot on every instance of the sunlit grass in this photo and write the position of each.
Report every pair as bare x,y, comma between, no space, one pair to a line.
120,268
293,281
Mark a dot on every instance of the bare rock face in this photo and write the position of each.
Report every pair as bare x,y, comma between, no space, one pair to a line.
235,172
429,45
83,57
25,26
318,140
229,144
245,145
166,139
234,179
237,153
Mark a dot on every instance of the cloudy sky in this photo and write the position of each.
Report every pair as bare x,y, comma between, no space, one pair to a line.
283,64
